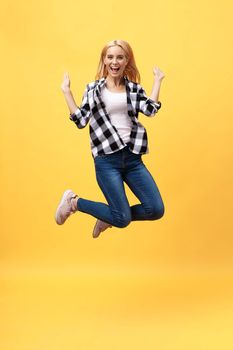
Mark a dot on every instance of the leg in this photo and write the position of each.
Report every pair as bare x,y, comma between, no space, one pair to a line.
145,189
117,212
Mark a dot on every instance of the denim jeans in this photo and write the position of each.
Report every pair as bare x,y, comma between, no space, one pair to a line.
112,170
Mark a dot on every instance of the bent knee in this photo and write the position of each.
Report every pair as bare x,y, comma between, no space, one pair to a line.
122,220
156,212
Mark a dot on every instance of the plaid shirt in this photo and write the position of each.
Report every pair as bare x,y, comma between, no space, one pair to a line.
104,137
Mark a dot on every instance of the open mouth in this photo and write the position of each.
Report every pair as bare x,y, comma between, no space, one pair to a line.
114,69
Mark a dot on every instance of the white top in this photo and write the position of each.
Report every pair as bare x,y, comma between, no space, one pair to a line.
116,106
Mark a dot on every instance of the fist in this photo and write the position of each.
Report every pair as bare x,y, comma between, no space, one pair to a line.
158,74
65,86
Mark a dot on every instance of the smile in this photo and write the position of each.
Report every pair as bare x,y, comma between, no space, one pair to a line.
114,69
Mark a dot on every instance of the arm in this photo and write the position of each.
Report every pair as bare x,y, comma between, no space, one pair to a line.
146,105
155,90
79,115
158,77
68,94
70,101
150,106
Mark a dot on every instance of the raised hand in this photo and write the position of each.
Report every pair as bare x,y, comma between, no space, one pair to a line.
158,74
65,86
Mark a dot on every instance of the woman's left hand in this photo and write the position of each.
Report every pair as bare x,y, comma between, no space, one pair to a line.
158,74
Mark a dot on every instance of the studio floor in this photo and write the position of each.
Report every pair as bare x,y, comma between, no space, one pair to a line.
116,309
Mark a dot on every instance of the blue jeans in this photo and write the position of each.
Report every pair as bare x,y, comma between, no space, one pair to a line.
112,170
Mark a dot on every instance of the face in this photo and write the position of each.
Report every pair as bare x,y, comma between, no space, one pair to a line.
115,61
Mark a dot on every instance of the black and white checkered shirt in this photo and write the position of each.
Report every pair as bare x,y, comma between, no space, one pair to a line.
104,137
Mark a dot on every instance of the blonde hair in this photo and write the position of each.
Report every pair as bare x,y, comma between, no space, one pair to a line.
131,70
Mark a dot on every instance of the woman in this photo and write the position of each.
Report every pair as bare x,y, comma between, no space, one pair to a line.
111,105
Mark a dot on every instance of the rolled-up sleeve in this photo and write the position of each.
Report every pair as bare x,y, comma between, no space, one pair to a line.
146,105
82,114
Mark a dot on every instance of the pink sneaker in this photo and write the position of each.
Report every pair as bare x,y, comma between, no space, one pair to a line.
100,226
65,207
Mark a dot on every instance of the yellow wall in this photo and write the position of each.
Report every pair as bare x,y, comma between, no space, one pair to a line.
152,279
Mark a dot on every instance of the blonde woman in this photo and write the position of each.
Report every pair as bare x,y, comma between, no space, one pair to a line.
111,105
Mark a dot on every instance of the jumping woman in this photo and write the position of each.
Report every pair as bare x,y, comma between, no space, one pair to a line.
111,105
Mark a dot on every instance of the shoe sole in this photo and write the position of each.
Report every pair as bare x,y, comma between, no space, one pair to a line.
60,204
96,234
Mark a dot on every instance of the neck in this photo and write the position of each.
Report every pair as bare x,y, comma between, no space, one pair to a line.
115,82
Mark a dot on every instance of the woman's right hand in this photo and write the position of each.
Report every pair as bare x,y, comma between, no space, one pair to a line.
65,86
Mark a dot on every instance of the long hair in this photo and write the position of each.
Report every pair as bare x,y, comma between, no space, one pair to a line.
131,70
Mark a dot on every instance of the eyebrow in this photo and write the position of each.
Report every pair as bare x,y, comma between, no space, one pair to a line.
116,55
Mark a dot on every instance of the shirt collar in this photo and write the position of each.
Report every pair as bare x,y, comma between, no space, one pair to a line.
101,82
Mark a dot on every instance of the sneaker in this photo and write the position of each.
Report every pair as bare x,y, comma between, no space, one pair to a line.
65,207
100,226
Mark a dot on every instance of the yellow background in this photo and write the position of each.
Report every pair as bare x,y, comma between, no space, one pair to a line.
165,284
